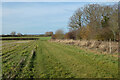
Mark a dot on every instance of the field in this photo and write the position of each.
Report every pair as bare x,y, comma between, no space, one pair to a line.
44,59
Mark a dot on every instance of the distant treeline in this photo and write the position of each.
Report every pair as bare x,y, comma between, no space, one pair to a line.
23,35
19,38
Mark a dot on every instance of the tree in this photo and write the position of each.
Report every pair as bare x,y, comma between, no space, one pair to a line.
104,21
59,34
113,21
13,33
76,20
92,15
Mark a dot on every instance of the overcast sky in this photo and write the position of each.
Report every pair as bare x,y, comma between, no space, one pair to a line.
38,17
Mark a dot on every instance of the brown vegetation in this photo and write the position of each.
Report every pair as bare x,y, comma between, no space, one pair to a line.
102,46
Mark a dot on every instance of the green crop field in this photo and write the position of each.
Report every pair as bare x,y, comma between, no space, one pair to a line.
44,59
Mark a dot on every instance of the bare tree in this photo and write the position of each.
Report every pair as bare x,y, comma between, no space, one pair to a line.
113,21
76,20
92,15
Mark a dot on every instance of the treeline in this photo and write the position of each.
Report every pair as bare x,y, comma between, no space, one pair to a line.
19,38
93,21
14,34
42,35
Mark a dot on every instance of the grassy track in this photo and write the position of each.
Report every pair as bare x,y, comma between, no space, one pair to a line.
55,60
58,60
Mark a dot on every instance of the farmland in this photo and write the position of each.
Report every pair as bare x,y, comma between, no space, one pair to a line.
44,59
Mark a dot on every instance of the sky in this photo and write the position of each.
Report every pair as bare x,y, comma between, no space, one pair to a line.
60,0
38,17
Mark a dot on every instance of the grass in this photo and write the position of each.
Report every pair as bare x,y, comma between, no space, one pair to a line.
45,38
55,60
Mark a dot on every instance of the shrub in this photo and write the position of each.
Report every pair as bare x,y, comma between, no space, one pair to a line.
59,34
70,35
53,37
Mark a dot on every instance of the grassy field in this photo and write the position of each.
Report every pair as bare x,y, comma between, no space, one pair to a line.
44,59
